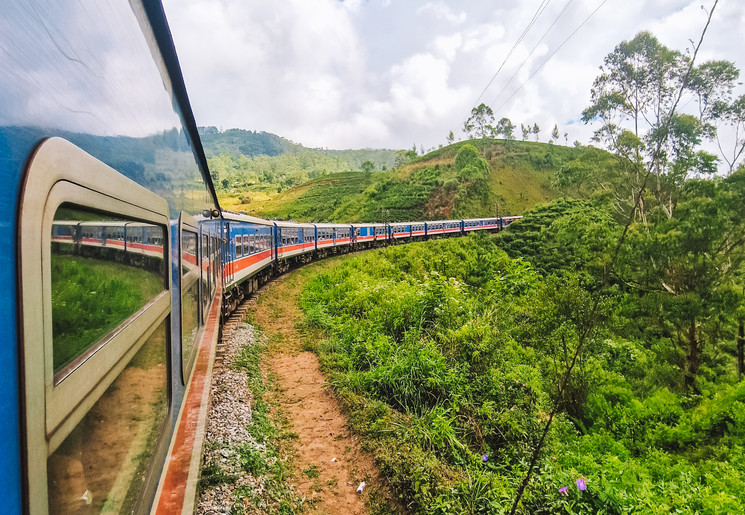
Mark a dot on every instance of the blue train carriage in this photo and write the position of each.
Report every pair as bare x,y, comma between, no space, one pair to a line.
369,235
443,228
507,220
248,256
332,239
480,224
363,235
418,230
105,174
400,231
294,243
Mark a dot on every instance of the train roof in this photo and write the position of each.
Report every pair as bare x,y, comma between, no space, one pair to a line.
281,223
240,217
331,226
368,225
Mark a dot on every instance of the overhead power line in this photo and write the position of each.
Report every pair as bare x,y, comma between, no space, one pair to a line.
536,15
552,54
501,92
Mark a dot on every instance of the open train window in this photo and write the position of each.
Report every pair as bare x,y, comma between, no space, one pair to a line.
95,333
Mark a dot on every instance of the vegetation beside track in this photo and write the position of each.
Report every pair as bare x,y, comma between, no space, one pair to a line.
449,355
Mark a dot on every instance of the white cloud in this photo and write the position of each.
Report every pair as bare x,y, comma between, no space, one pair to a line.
448,46
363,73
443,11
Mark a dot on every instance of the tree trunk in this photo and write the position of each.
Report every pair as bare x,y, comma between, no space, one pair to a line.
694,356
741,350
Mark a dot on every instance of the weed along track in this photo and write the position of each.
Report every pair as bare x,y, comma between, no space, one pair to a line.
328,462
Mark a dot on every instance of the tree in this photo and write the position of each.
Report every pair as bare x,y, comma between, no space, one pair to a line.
637,99
555,133
733,115
505,128
451,138
536,131
367,166
526,131
472,172
687,266
480,123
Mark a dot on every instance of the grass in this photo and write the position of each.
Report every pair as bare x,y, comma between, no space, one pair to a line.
90,297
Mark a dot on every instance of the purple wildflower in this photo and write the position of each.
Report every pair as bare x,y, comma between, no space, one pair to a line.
484,457
563,490
581,484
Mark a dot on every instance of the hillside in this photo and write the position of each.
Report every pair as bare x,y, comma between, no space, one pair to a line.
520,175
242,158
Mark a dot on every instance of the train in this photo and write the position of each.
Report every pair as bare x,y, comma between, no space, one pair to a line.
119,265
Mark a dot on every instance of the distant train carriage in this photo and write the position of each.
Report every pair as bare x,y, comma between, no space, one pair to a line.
293,239
400,230
507,220
249,247
364,234
418,229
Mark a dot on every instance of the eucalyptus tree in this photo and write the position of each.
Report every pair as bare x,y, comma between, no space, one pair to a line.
480,124
506,128
733,115
637,100
526,130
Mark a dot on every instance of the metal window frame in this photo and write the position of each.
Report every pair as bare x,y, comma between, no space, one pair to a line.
59,172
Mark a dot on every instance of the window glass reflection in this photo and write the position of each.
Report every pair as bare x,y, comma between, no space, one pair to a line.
189,298
102,465
104,270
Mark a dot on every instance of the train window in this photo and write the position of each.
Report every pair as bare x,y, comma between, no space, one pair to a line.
95,317
215,263
206,273
102,463
246,250
251,248
238,246
189,298
94,287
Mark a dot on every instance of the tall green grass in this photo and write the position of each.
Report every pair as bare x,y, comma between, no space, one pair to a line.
90,297
447,355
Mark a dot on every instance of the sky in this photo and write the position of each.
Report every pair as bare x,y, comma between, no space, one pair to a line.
397,73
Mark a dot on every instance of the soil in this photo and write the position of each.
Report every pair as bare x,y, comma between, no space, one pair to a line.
329,463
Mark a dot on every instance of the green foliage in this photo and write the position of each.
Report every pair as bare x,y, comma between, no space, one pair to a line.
565,235
517,175
90,297
449,350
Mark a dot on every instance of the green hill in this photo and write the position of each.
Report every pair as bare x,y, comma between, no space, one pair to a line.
519,175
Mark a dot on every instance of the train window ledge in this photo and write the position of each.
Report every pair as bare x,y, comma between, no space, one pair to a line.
59,173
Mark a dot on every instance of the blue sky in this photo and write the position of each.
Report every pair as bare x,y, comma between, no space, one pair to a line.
394,73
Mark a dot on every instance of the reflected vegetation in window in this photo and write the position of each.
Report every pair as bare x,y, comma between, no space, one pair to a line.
189,297
104,269
102,465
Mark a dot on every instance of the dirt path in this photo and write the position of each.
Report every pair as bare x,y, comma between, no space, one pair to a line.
329,464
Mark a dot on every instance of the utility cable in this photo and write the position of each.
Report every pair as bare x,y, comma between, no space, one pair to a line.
531,53
536,15
552,54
